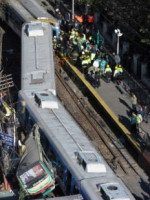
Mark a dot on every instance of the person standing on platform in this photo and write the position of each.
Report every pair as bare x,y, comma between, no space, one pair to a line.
108,73
115,74
133,122
145,114
120,69
134,102
139,120
116,58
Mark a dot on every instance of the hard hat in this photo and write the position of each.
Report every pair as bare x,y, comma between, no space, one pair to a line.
120,66
116,67
83,52
107,65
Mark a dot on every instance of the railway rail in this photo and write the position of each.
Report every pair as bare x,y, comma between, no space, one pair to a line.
99,133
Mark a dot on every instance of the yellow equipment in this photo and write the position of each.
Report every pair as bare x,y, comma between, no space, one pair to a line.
8,110
45,19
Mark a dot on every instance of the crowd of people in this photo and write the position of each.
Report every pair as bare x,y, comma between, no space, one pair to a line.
83,44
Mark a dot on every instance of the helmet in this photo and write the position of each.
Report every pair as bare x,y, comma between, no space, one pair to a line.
107,65
83,52
120,66
116,67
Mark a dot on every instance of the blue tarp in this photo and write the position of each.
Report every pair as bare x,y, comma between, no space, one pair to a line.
7,140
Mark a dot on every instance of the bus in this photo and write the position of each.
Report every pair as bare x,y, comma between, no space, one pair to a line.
35,172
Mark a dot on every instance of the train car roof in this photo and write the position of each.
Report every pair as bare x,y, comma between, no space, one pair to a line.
37,57
36,10
74,149
22,12
112,188
68,139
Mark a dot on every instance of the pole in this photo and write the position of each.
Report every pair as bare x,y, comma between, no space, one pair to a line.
117,45
72,9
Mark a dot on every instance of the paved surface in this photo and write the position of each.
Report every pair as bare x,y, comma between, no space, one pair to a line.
119,103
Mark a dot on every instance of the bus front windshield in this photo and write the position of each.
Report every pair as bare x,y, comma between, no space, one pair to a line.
33,173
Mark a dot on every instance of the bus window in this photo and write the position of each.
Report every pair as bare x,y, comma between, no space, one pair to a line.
32,174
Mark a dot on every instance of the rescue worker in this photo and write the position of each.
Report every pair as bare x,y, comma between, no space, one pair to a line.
120,76
74,56
93,53
103,65
94,74
90,20
108,73
115,74
72,35
83,39
79,18
84,61
139,120
54,42
94,68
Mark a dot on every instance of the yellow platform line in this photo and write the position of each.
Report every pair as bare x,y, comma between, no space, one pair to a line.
105,106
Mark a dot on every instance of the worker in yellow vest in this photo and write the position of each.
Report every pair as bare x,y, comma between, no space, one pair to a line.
108,73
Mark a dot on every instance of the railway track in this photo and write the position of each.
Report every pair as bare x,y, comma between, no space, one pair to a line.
113,151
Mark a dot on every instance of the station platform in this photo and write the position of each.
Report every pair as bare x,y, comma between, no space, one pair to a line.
119,103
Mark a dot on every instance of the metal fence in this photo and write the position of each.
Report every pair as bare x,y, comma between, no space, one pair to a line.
141,93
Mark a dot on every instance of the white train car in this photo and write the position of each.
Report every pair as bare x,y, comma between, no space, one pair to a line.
79,167
37,11
14,14
17,12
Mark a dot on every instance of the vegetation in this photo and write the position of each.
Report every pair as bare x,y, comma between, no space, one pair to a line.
132,16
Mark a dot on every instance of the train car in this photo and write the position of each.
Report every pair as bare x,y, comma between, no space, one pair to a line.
37,11
37,58
14,14
35,173
72,197
79,167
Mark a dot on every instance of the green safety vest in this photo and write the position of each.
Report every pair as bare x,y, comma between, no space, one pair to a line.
139,118
103,64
